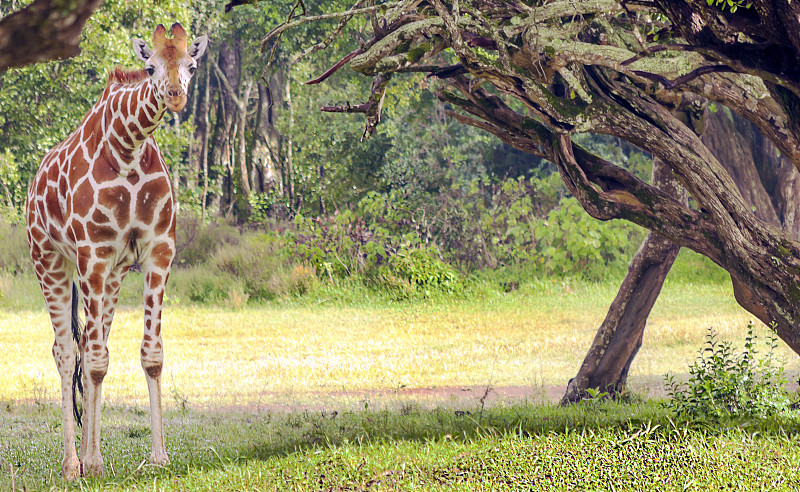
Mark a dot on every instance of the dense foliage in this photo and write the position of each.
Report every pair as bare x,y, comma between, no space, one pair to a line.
412,211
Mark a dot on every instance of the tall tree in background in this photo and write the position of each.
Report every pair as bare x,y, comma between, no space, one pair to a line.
766,180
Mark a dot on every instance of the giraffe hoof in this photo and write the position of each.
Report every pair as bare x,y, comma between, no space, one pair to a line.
93,467
71,469
159,459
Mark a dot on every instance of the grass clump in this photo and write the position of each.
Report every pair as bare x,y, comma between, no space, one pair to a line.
197,242
726,384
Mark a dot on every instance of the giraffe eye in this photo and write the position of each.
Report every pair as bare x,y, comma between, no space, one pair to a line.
192,70
150,71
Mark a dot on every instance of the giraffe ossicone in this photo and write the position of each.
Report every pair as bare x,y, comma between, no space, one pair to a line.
102,201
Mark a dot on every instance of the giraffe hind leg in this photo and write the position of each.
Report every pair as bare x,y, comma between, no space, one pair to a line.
54,273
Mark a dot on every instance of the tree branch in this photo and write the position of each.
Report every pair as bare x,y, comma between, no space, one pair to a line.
44,30
222,78
336,67
314,18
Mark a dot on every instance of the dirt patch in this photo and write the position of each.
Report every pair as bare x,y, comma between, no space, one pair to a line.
448,397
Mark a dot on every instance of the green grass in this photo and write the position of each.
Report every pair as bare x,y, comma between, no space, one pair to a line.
318,393
595,446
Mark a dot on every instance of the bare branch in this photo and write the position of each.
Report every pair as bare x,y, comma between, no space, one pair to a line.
336,67
372,108
222,78
347,108
672,84
314,18
331,36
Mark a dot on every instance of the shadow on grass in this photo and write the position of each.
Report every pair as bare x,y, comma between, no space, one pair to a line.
30,436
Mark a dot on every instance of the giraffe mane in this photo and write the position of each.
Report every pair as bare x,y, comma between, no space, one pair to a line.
125,76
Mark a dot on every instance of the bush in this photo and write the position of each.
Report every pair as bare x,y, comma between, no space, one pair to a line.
571,242
198,242
726,384
342,245
199,285
261,263
418,271
14,255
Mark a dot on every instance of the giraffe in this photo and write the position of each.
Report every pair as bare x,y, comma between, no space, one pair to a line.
100,202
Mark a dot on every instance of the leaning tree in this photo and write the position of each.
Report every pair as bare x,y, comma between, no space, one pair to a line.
533,73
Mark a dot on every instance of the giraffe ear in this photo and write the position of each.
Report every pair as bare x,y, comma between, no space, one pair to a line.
141,49
198,47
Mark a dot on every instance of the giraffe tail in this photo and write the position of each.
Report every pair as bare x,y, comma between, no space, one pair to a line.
77,378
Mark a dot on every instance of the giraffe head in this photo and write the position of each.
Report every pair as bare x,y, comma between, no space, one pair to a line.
170,64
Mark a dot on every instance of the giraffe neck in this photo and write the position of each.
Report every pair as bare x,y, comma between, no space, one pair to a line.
132,114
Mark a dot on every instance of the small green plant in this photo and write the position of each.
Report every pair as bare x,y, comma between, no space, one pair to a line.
724,383
181,400
422,271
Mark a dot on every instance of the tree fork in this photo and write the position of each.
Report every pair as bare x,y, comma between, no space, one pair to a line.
619,337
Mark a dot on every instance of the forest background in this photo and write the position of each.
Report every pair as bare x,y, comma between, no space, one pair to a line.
277,197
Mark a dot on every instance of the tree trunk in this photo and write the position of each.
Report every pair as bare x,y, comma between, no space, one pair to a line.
754,164
289,171
244,178
176,167
204,136
265,147
617,342
221,142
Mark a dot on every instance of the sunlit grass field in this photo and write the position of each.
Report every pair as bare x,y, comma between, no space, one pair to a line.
322,352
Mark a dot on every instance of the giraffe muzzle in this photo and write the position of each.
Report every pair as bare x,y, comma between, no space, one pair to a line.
176,99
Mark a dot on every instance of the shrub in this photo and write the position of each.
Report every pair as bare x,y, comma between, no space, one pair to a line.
261,263
571,242
198,242
342,245
724,384
418,271
14,255
339,245
199,285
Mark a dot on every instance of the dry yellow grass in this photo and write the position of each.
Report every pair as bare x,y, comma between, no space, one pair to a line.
284,354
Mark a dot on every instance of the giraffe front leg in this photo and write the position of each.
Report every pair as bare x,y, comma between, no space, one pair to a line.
95,367
152,357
